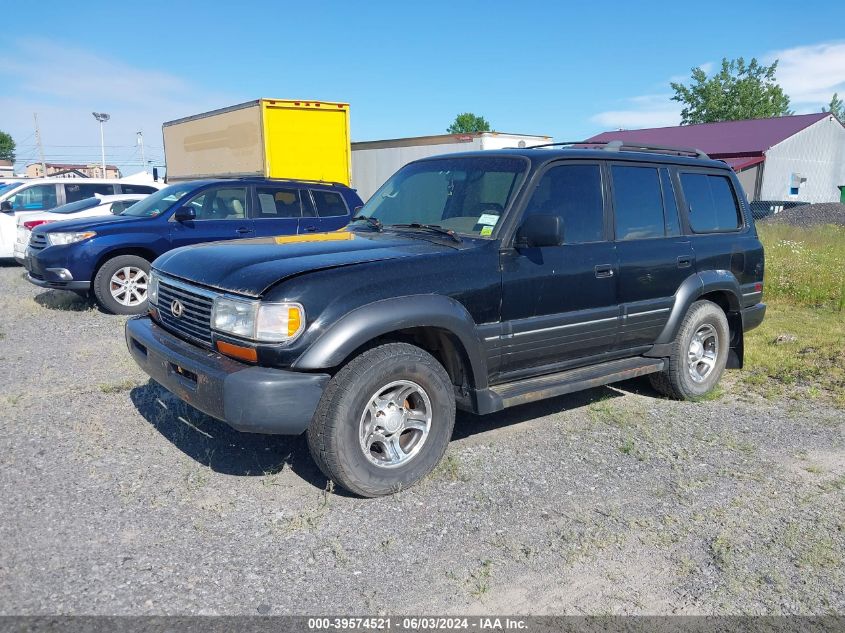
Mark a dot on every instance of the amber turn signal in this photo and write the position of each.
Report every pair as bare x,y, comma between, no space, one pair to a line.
248,354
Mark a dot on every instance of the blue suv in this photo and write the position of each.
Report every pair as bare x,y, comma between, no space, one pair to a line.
111,256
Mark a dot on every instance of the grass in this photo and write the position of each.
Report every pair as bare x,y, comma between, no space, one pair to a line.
118,387
805,266
800,347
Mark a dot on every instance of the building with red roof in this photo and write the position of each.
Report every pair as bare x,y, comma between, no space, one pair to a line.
790,158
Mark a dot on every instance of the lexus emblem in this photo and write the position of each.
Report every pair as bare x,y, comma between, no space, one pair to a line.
177,308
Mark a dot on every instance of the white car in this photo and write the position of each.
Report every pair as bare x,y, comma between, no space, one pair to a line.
45,194
87,208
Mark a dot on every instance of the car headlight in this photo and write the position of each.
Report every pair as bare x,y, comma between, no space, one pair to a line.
57,239
152,288
257,321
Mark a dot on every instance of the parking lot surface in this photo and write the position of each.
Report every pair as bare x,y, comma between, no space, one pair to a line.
118,499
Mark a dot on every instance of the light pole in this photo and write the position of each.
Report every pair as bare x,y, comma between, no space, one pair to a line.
102,117
143,157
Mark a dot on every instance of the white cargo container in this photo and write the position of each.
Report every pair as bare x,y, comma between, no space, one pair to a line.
373,162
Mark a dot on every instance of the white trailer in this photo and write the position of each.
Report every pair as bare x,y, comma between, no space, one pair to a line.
373,162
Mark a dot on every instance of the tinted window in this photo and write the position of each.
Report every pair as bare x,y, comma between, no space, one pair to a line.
574,193
35,198
638,203
274,202
466,195
79,191
670,205
220,204
79,205
142,189
329,203
711,202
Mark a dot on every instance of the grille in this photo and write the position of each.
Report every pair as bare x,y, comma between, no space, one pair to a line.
37,241
195,320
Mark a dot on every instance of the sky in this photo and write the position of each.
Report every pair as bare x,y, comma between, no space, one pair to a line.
565,69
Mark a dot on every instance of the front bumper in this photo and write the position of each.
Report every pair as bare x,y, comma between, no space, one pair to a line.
48,274
753,316
247,398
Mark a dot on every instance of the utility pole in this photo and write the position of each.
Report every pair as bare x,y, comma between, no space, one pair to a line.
143,157
40,147
102,117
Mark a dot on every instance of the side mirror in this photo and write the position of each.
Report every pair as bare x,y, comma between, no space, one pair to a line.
540,230
5,206
185,214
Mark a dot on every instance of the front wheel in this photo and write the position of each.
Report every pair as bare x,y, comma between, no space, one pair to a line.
120,285
699,354
384,421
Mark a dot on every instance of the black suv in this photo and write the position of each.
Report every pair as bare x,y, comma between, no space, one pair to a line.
479,281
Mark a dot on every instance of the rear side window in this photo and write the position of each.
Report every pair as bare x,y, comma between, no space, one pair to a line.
712,204
274,203
142,189
79,191
574,193
638,203
329,203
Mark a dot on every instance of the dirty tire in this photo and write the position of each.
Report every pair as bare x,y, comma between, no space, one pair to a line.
676,380
334,432
102,281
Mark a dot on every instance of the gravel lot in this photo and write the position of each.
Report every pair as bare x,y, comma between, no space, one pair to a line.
807,215
118,499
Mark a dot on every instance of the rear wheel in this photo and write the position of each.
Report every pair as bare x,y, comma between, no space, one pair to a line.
384,421
699,354
120,285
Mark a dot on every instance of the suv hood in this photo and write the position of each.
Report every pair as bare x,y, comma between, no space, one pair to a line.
250,267
87,223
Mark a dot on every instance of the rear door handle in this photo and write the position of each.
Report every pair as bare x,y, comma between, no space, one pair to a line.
604,270
309,229
684,261
244,230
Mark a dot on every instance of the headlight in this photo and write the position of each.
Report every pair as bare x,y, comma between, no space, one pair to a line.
56,239
152,288
264,322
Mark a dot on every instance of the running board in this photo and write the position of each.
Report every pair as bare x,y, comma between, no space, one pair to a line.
532,389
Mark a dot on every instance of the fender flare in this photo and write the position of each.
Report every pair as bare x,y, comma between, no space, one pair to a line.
370,321
690,290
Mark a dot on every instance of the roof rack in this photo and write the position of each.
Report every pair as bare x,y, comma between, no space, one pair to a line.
620,146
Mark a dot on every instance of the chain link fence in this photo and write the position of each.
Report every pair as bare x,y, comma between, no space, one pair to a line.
764,208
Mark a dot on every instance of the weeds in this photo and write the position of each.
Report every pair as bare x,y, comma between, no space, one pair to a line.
117,387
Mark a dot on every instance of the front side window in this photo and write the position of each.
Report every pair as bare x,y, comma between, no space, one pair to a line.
711,202
329,203
275,203
574,193
638,202
220,204
35,198
80,191
465,195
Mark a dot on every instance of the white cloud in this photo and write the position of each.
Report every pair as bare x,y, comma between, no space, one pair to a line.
65,84
657,110
810,74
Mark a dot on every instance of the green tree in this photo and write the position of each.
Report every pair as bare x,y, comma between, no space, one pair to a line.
836,107
468,123
738,91
7,147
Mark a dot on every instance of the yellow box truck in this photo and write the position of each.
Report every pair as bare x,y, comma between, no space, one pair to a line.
271,138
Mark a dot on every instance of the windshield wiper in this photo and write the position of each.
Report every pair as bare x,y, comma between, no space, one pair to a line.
435,228
373,222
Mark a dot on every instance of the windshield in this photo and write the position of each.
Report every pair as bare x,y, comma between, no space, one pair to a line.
465,195
76,207
157,203
8,187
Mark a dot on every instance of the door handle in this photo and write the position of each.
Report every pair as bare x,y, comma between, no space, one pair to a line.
244,230
309,229
684,261
604,270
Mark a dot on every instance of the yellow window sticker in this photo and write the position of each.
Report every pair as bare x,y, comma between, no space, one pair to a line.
486,230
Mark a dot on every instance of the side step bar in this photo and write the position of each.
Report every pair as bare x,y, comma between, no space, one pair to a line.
533,389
